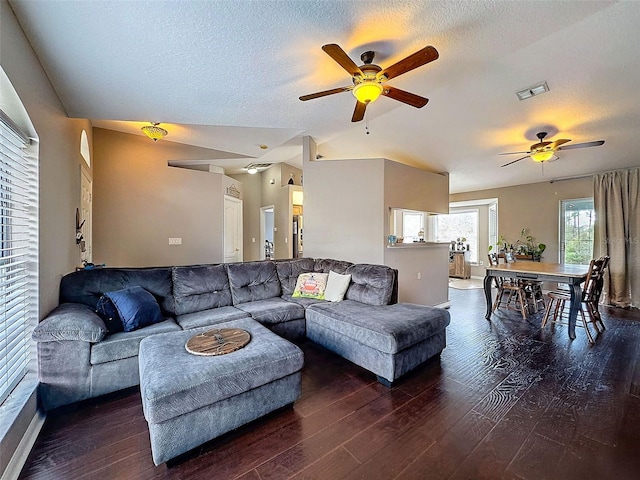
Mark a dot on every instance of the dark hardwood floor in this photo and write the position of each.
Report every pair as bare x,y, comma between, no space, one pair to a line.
505,401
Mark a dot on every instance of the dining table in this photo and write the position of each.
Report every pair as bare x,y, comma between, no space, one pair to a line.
572,275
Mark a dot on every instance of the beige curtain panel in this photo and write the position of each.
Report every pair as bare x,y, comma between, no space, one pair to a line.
617,234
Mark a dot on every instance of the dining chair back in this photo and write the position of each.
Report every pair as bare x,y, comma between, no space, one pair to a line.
589,300
516,298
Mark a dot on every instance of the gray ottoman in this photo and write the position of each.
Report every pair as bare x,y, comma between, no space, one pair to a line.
388,340
189,399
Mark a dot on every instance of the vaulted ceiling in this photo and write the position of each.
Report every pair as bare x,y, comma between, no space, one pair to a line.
227,74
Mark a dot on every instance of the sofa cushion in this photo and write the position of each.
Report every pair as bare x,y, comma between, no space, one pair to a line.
325,265
253,281
87,286
199,288
304,302
109,315
209,317
136,307
125,344
371,284
70,321
387,328
337,286
311,285
273,310
289,270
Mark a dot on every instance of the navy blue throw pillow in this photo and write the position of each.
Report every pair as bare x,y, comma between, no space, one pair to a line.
109,314
137,307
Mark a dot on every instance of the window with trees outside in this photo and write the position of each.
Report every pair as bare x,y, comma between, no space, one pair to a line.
461,223
577,219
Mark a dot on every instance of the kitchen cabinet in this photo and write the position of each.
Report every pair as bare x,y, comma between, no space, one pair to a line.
459,265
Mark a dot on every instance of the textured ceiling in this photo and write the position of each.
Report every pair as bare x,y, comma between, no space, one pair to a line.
227,75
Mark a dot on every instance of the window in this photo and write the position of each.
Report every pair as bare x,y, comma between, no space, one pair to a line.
460,224
576,231
18,253
412,225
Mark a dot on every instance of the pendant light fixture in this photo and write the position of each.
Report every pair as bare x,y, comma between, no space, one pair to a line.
154,132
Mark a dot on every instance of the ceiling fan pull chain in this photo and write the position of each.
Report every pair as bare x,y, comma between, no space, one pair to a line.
366,123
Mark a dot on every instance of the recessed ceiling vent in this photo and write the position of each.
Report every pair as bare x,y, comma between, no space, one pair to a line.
533,91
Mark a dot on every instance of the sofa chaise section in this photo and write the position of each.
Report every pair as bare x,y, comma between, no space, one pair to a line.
388,340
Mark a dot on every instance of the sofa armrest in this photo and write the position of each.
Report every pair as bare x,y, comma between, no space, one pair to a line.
70,321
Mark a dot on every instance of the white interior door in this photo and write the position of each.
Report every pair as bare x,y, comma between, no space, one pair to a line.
86,205
232,229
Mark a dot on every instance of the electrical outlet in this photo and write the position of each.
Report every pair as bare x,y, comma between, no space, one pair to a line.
175,241
253,239
419,276
481,263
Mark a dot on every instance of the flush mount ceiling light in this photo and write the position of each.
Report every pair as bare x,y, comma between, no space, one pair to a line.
254,168
154,132
533,91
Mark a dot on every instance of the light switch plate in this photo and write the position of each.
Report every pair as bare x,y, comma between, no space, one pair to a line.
175,241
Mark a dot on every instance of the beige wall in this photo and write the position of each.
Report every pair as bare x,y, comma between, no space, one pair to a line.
59,157
139,202
346,206
59,190
344,210
534,206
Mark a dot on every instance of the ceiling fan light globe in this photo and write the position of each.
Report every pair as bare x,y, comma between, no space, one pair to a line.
367,91
543,156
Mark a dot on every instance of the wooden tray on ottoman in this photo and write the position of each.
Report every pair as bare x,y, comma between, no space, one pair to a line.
218,341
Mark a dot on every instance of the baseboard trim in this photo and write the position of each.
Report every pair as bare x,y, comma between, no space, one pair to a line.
19,458
446,304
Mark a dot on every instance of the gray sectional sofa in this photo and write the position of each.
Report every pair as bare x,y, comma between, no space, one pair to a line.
78,359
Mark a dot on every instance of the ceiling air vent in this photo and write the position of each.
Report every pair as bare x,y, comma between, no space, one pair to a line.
533,91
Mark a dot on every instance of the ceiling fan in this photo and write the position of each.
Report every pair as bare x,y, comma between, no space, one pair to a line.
546,151
369,79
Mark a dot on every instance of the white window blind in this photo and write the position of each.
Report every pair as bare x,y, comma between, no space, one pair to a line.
18,253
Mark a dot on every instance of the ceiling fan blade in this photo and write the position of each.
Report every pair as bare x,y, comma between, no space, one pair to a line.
311,96
597,143
358,113
556,143
514,153
405,97
341,57
421,57
526,156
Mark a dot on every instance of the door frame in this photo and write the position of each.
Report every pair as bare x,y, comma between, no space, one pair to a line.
263,237
229,198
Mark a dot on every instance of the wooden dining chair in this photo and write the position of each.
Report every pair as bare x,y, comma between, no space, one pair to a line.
516,299
532,289
589,301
